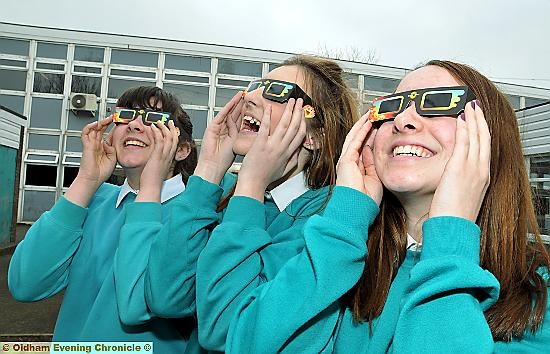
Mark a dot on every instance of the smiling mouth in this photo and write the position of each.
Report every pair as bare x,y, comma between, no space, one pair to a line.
411,150
250,124
134,143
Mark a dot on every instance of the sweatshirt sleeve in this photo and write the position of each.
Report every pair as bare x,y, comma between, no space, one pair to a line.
448,293
39,267
299,310
173,259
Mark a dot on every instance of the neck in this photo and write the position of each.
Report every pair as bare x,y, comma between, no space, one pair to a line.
416,210
133,177
303,158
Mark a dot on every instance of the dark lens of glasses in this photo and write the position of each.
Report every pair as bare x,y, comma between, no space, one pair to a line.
126,114
153,117
276,89
253,85
390,105
437,100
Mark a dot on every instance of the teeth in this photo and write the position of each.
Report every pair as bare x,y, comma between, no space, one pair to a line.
252,120
135,143
411,150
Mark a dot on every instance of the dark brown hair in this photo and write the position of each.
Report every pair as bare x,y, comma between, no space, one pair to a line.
506,218
149,97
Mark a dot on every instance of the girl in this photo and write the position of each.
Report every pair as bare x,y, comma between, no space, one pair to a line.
87,244
423,246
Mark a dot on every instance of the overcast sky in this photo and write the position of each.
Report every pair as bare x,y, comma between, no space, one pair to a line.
508,40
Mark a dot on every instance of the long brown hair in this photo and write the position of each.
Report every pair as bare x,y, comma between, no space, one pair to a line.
506,218
335,112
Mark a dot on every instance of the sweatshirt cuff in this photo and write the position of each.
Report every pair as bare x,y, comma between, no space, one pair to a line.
352,209
68,213
444,236
140,212
247,211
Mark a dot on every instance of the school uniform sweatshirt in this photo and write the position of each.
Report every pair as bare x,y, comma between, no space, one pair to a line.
248,248
99,255
435,304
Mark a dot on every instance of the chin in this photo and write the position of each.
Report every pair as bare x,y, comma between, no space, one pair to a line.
406,183
242,145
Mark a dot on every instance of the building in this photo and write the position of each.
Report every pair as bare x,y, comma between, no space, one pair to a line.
40,69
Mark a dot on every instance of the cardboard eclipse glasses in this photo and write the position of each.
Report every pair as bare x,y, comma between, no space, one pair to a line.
126,115
429,102
281,91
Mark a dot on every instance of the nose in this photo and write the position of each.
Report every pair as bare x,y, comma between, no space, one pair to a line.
408,120
253,97
136,124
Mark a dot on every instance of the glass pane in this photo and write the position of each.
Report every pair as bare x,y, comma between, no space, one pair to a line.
118,86
228,82
195,95
532,101
540,168
187,63
48,83
72,159
132,57
175,77
79,119
88,54
352,80
50,50
35,203
15,103
46,113
86,69
224,95
382,84
39,157
49,66
69,174
74,144
86,84
16,63
131,73
514,101
13,80
237,67
14,46
41,175
44,142
198,118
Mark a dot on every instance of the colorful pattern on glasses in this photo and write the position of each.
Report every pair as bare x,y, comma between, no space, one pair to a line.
124,115
434,101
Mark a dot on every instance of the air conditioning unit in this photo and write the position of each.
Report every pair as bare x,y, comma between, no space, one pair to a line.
83,102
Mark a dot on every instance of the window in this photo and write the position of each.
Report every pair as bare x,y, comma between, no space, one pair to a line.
73,143
69,174
224,95
46,113
14,46
186,78
352,80
237,67
36,202
49,83
514,101
88,54
43,142
380,84
41,175
118,86
86,84
540,184
50,50
134,57
13,80
198,118
15,103
186,63
79,119
532,101
189,95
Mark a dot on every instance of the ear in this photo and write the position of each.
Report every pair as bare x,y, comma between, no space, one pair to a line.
182,152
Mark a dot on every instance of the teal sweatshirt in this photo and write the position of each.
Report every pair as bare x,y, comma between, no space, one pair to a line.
99,255
248,248
435,304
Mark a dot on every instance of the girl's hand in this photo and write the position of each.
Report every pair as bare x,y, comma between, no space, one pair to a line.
97,163
164,142
467,174
272,156
217,143
355,168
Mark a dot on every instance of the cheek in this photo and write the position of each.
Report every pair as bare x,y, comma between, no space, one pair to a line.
277,110
445,132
